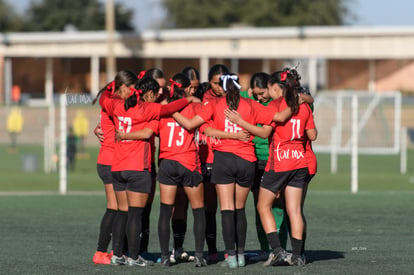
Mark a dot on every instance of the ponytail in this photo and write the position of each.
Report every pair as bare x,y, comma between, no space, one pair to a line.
287,82
230,84
110,87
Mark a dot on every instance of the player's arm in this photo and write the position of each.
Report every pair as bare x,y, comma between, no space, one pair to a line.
312,134
213,132
306,98
187,123
98,132
283,115
234,117
145,133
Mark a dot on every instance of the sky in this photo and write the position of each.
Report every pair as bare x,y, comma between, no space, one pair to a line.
148,13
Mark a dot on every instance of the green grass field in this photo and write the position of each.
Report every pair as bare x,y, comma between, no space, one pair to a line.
365,233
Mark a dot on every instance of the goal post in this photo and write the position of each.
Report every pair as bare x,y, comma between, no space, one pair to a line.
359,122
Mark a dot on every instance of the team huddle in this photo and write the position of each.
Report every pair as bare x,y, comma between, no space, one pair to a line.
216,145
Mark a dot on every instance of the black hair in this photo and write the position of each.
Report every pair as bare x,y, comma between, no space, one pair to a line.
217,69
178,91
191,72
122,77
288,84
259,80
145,85
154,73
202,88
232,91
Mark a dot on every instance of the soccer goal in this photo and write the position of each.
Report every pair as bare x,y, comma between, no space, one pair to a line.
359,122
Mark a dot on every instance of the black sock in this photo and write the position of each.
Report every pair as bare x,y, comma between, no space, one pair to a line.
296,247
118,232
273,239
241,228
211,231
179,227
229,230
199,229
164,227
303,242
105,230
145,228
133,230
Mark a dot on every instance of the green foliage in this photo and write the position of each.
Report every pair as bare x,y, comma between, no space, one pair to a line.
259,13
56,15
9,20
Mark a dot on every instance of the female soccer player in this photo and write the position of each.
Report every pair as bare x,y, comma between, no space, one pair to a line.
104,164
259,91
179,218
286,169
210,97
131,165
233,167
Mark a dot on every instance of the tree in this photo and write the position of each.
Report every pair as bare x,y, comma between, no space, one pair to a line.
9,20
259,13
56,15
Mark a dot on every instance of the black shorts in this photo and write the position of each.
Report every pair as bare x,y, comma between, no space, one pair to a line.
135,181
171,172
153,170
229,168
258,174
206,169
276,181
104,172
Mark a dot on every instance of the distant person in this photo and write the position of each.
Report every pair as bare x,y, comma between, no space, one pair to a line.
71,149
81,129
15,122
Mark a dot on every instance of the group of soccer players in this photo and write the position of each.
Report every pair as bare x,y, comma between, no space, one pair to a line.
213,140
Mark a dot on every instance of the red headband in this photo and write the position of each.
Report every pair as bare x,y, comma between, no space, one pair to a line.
141,74
172,86
111,87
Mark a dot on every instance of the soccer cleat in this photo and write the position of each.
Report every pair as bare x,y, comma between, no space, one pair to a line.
276,258
297,261
165,261
101,258
199,262
118,260
288,258
139,262
241,261
212,258
180,255
230,261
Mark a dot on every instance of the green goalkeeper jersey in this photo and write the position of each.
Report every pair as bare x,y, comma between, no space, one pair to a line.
261,145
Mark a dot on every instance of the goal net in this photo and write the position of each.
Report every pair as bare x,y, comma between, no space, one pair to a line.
359,122
378,120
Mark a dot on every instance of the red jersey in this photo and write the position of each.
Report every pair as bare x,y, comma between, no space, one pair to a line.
177,143
310,157
205,142
249,110
106,151
132,155
286,148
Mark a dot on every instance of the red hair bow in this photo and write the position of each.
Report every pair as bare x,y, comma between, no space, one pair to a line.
111,87
173,83
134,91
141,74
283,75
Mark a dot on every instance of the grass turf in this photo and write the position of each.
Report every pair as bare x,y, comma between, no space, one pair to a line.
365,233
